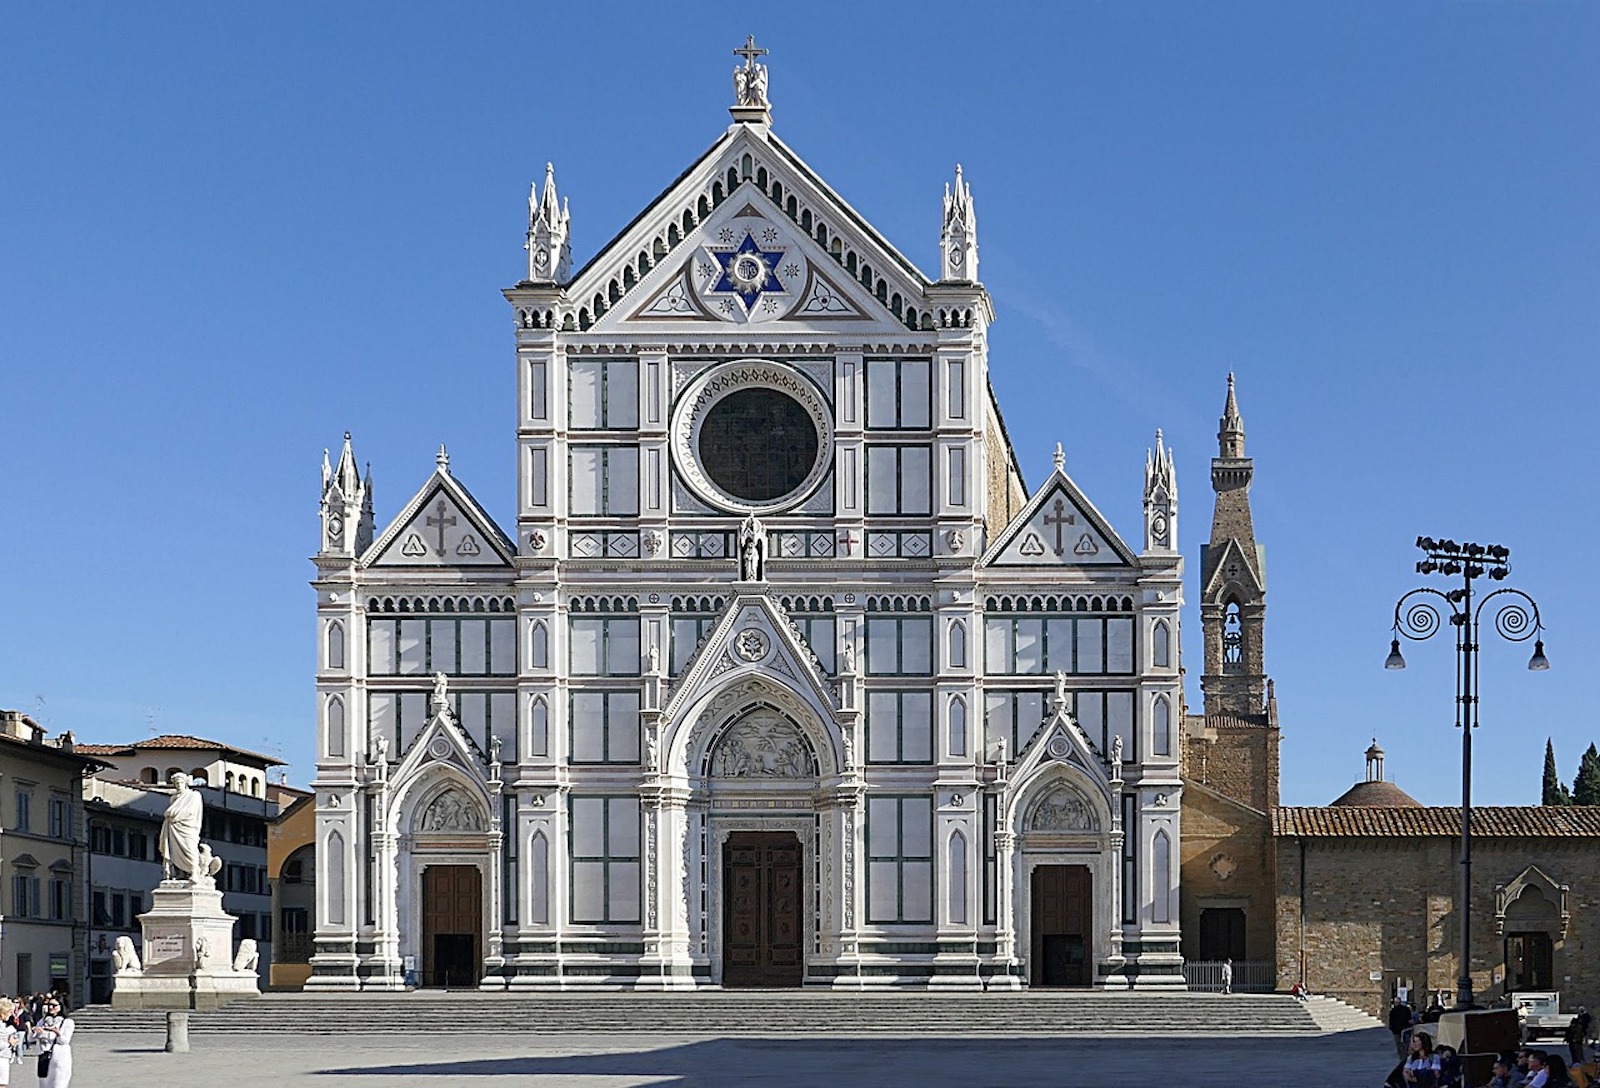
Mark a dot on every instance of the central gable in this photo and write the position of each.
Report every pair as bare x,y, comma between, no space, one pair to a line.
749,235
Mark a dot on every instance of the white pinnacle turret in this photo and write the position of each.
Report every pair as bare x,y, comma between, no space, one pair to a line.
958,241
549,232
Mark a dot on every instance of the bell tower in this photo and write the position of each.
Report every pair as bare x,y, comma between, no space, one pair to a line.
1233,580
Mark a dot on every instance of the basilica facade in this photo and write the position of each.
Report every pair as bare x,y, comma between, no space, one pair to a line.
781,676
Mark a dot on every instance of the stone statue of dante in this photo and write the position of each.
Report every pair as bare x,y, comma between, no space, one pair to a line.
180,832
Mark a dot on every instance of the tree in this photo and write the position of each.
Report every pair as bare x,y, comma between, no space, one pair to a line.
1586,787
1554,792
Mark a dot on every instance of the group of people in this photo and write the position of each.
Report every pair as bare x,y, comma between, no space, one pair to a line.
36,1025
1425,1065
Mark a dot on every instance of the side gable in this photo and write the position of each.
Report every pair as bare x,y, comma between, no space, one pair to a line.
674,257
442,526
1059,527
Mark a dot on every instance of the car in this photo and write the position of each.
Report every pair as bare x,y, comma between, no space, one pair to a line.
1540,1013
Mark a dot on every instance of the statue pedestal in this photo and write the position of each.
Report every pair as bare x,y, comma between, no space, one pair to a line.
188,954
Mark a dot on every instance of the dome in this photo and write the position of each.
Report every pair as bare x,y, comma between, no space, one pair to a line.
1377,795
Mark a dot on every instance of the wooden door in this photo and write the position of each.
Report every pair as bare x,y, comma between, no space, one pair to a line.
1061,920
452,925
1222,934
763,897
1530,961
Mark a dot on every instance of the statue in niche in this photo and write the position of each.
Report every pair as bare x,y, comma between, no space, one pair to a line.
1063,810
763,745
1061,692
849,656
1116,750
752,549
451,812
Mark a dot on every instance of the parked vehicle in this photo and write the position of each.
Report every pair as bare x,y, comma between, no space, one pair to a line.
1540,1013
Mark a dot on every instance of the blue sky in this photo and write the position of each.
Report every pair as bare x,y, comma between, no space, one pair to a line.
228,234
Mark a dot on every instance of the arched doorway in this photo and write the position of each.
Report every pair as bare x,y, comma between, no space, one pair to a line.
452,923
763,902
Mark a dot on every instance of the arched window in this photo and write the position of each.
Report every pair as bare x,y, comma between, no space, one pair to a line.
227,782
198,777
172,771
539,879
957,870
148,775
335,645
539,646
958,645
1161,645
1161,726
958,726
255,787
336,863
540,727
1161,878
1232,639
335,726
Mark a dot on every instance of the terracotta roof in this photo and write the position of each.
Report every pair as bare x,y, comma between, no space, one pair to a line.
1509,821
1377,795
76,755
179,741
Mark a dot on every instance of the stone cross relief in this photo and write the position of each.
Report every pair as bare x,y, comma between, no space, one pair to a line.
1060,519
440,520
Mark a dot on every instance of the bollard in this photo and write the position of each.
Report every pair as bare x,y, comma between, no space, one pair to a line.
177,1033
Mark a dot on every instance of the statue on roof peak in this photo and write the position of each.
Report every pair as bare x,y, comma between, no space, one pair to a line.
750,78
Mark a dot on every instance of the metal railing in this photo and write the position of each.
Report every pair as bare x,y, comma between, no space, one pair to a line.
1249,976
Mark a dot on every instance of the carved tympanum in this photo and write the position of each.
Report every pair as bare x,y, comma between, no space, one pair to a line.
763,744
1063,810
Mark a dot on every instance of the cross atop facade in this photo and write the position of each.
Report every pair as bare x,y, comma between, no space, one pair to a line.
1060,519
750,51
441,519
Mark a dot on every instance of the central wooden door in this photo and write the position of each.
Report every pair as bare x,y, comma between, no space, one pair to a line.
763,895
1063,911
452,925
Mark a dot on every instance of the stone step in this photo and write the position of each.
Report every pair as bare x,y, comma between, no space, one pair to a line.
718,1012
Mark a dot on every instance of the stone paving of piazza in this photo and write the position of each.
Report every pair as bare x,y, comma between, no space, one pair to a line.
442,1053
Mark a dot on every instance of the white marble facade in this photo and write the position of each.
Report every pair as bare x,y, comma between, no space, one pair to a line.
774,570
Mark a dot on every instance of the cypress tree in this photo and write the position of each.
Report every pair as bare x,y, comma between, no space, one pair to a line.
1553,790
1586,787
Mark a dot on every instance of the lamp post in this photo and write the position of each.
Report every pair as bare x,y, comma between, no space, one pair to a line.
1516,619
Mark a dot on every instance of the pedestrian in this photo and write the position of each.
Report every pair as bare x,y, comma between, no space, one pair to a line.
54,1036
1422,1064
1503,1065
1227,976
1399,1025
1573,1037
10,1039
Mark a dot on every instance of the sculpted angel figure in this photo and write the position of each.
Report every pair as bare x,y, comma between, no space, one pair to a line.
180,833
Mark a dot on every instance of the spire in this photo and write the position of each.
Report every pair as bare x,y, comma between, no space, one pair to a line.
442,459
549,232
750,103
958,242
347,476
346,505
1160,498
1230,436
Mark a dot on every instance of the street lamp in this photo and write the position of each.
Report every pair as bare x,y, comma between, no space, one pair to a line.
1516,619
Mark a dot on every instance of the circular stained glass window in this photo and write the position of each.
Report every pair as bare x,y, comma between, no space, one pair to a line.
758,444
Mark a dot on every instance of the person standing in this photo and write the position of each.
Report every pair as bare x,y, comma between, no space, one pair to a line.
10,1040
54,1036
1227,976
1399,1025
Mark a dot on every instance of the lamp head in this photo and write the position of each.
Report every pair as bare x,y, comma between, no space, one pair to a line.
1396,660
1538,662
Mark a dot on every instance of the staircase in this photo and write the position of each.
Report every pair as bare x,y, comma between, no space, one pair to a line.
755,1013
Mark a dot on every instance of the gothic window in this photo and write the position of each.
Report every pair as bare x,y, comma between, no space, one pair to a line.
898,394
603,394
1161,878
335,728
335,869
539,879
956,390
1232,639
538,646
958,645
604,727
899,480
899,646
457,647
604,480
539,477
1161,645
335,645
604,646
958,726
539,726
604,849
956,874
1013,716
1049,644
899,860
1161,726
899,727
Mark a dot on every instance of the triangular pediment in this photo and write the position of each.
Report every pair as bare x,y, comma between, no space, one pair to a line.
1059,527
441,740
1061,757
752,637
749,235
1231,567
442,526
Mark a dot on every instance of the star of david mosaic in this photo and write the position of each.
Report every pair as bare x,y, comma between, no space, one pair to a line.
748,271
